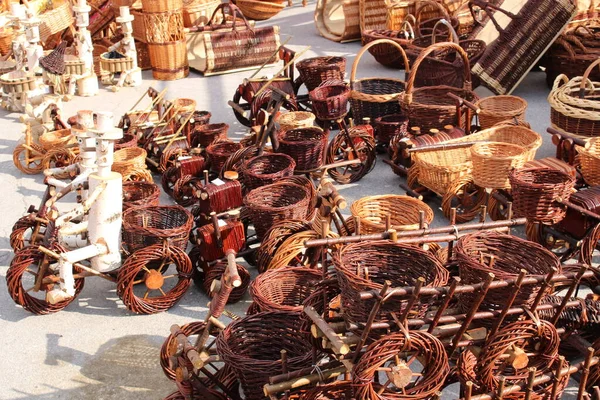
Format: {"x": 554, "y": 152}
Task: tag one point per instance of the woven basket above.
{"x": 284, "y": 289}
{"x": 158, "y": 6}
{"x": 330, "y": 100}
{"x": 169, "y": 60}
{"x": 273, "y": 239}
{"x": 386, "y": 54}
{"x": 535, "y": 191}
{"x": 114, "y": 65}
{"x": 493, "y": 162}
{"x": 127, "y": 140}
{"x": 259, "y": 10}
{"x": 438, "y": 170}
{"x": 205, "y": 135}
{"x": 199, "y": 13}
{"x": 569, "y": 56}
{"x": 59, "y": 138}
{"x": 375, "y": 97}
{"x": 252, "y": 346}
{"x": 338, "y": 20}
{"x": 219, "y": 151}
{"x": 306, "y": 146}
{"x": 373, "y": 14}
{"x": 215, "y": 272}
{"x": 404, "y": 212}
{"x": 129, "y": 158}
{"x": 316, "y": 70}
{"x": 276, "y": 202}
{"x": 139, "y": 194}
{"x": 266, "y": 169}
{"x": 59, "y": 18}
{"x": 391, "y": 126}
{"x": 511, "y": 254}
{"x": 6, "y": 37}
{"x": 295, "y": 119}
{"x": 430, "y": 107}
{"x": 589, "y": 159}
{"x": 164, "y": 27}
{"x": 574, "y": 105}
{"x": 496, "y": 109}
{"x": 148, "y": 225}
{"x": 397, "y": 12}
{"x": 366, "y": 266}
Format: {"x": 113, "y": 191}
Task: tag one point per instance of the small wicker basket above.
{"x": 330, "y": 100}
{"x": 316, "y": 70}
{"x": 589, "y": 159}
{"x": 305, "y": 145}
{"x": 403, "y": 211}
{"x": 496, "y": 109}
{"x": 492, "y": 163}
{"x": 295, "y": 120}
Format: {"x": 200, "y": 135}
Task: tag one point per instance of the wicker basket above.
{"x": 391, "y": 126}
{"x": 338, "y": 20}
{"x": 169, "y": 60}
{"x": 277, "y": 202}
{"x": 139, "y": 194}
{"x": 511, "y": 255}
{"x": 164, "y": 27}
{"x": 295, "y": 119}
{"x": 148, "y": 225}
{"x": 569, "y": 56}
{"x": 59, "y": 18}
{"x": 215, "y": 272}
{"x": 366, "y": 266}
{"x": 6, "y": 37}
{"x": 589, "y": 159}
{"x": 574, "y": 105}
{"x": 316, "y": 70}
{"x": 266, "y": 169}
{"x": 259, "y": 10}
{"x": 158, "y": 6}
{"x": 59, "y": 138}
{"x": 219, "y": 151}
{"x": 205, "y": 135}
{"x": 386, "y": 54}
{"x": 305, "y": 145}
{"x": 430, "y": 107}
{"x": 438, "y": 170}
{"x": 493, "y": 162}
{"x": 197, "y": 14}
{"x": 284, "y": 289}
{"x": 330, "y": 100}
{"x": 273, "y": 239}
{"x": 373, "y": 14}
{"x": 115, "y": 65}
{"x": 496, "y": 109}
{"x": 129, "y": 158}
{"x": 252, "y": 346}
{"x": 404, "y": 212}
{"x": 127, "y": 140}
{"x": 535, "y": 191}
{"x": 397, "y": 12}
{"x": 375, "y": 97}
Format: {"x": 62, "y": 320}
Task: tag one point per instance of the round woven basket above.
{"x": 535, "y": 191}
{"x": 316, "y": 70}
{"x": 511, "y": 254}
{"x": 148, "y": 225}
{"x": 366, "y": 266}
{"x": 284, "y": 289}
{"x": 496, "y": 109}
{"x": 128, "y": 140}
{"x": 305, "y": 145}
{"x": 219, "y": 151}
{"x": 295, "y": 120}
{"x": 59, "y": 138}
{"x": 330, "y": 100}
{"x": 387, "y": 54}
{"x": 169, "y": 60}
{"x": 138, "y": 194}
{"x": 492, "y": 163}
{"x": 404, "y": 212}
{"x": 266, "y": 169}
{"x": 390, "y": 126}
{"x": 216, "y": 272}
{"x": 205, "y": 135}
{"x": 124, "y": 160}
{"x": 277, "y": 202}
{"x": 252, "y": 346}
{"x": 589, "y": 159}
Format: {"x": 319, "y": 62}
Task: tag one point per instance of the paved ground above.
{"x": 96, "y": 348}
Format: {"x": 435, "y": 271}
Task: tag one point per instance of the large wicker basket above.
{"x": 338, "y": 20}
{"x": 403, "y": 211}
{"x": 305, "y": 145}
{"x": 219, "y": 151}
{"x": 55, "y": 20}
{"x": 169, "y": 60}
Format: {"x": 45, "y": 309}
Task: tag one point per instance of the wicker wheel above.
{"x": 340, "y": 150}
{"x": 22, "y": 231}
{"x": 466, "y": 197}
{"x": 158, "y": 295}
{"x": 394, "y": 355}
{"x": 496, "y": 209}
{"x": 59, "y": 158}
{"x": 273, "y": 239}
{"x": 184, "y": 188}
{"x": 34, "y": 166}
{"x": 24, "y": 270}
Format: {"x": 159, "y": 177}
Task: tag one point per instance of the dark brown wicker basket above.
{"x": 276, "y": 202}
{"x": 284, "y": 289}
{"x": 137, "y": 194}
{"x": 535, "y": 191}
{"x": 511, "y": 254}
{"x": 205, "y": 135}
{"x": 390, "y": 126}
{"x": 266, "y": 169}
{"x": 128, "y": 140}
{"x": 305, "y": 145}
{"x": 218, "y": 152}
{"x": 148, "y": 225}
{"x": 367, "y": 265}
{"x": 252, "y": 347}
{"x": 330, "y": 100}
{"x": 386, "y": 54}
{"x": 316, "y": 70}
{"x": 216, "y": 272}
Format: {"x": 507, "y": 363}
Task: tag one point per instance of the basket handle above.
{"x": 436, "y": 47}
{"x": 559, "y": 81}
{"x": 422, "y": 6}
{"x": 407, "y": 27}
{"x": 367, "y": 47}
{"x": 453, "y": 36}
{"x": 234, "y": 11}
{"x": 488, "y": 7}
{"x": 585, "y": 78}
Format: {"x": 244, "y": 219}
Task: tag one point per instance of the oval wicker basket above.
{"x": 129, "y": 158}
{"x": 316, "y": 70}
{"x": 589, "y": 159}
{"x": 266, "y": 169}
{"x": 496, "y": 109}
{"x": 387, "y": 54}
{"x": 438, "y": 170}
{"x": 366, "y": 266}
{"x": 148, "y": 225}
{"x": 391, "y": 126}
{"x": 404, "y": 212}
{"x": 295, "y": 119}
{"x": 205, "y": 135}
{"x": 137, "y": 194}
{"x": 535, "y": 191}
{"x": 59, "y": 138}
{"x": 493, "y": 162}
{"x": 305, "y": 145}
{"x": 259, "y": 10}
{"x": 330, "y": 100}
{"x": 284, "y": 289}
{"x": 219, "y": 151}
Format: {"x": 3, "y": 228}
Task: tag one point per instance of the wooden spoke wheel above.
{"x": 496, "y": 210}
{"x": 535, "y": 232}
{"x": 340, "y": 149}
{"x": 466, "y": 197}
{"x": 31, "y": 275}
{"x": 26, "y": 232}
{"x": 59, "y": 158}
{"x": 145, "y": 290}
{"x": 28, "y": 161}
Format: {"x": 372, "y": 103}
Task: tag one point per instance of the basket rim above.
{"x": 262, "y": 206}
{"x": 518, "y": 173}
{"x": 516, "y": 150}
